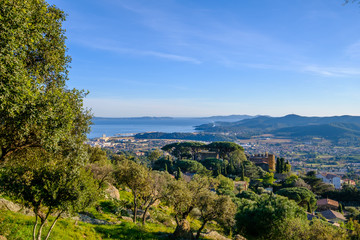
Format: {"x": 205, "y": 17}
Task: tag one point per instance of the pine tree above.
{"x": 178, "y": 174}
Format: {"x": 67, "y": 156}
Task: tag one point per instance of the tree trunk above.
{"x": 200, "y": 229}
{"x": 135, "y": 209}
{"x": 183, "y": 231}
{"x": 35, "y": 225}
{"x": 52, "y": 226}
{"x": 144, "y": 214}
{"x": 43, "y": 221}
{"x": 40, "y": 230}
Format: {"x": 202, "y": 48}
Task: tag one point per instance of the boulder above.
{"x": 85, "y": 218}
{"x": 239, "y": 237}
{"x": 15, "y": 207}
{"x": 112, "y": 192}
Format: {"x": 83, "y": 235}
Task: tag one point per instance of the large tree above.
{"x": 224, "y": 148}
{"x": 184, "y": 198}
{"x": 37, "y": 110}
{"x": 264, "y": 216}
{"x": 215, "y": 207}
{"x": 49, "y": 184}
{"x": 302, "y": 196}
{"x": 136, "y": 177}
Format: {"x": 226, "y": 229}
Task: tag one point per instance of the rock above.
{"x": 139, "y": 212}
{"x": 112, "y": 192}
{"x": 3, "y": 237}
{"x": 239, "y": 237}
{"x": 87, "y": 219}
{"x": 15, "y": 207}
{"x": 127, "y": 218}
{"x": 8, "y": 205}
{"x": 214, "y": 235}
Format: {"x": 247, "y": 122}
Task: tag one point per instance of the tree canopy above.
{"x": 302, "y": 196}
{"x": 36, "y": 108}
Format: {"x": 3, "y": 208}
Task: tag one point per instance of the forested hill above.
{"x": 332, "y": 128}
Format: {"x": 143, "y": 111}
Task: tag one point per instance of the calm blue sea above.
{"x": 113, "y": 126}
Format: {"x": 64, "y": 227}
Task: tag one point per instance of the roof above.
{"x": 327, "y": 175}
{"x": 330, "y": 214}
{"x": 331, "y": 176}
{"x": 326, "y": 201}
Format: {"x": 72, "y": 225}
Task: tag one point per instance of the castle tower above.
{"x": 271, "y": 162}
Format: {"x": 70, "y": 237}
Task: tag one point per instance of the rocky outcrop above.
{"x": 214, "y": 235}
{"x": 217, "y": 236}
{"x": 112, "y": 192}
{"x": 239, "y": 237}
{"x": 87, "y": 219}
{"x": 15, "y": 207}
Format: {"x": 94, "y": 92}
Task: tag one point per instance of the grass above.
{"x": 16, "y": 226}
{"x": 131, "y": 231}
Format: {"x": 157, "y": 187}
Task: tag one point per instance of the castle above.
{"x": 265, "y": 161}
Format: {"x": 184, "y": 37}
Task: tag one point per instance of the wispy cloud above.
{"x": 111, "y": 48}
{"x": 332, "y": 71}
{"x": 206, "y": 36}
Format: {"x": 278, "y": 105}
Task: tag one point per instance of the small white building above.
{"x": 330, "y": 179}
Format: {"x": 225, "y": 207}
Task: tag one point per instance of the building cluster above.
{"x": 335, "y": 180}
{"x": 266, "y": 161}
{"x": 329, "y": 209}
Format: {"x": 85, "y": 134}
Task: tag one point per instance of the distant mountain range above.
{"x": 230, "y": 118}
{"x": 294, "y": 126}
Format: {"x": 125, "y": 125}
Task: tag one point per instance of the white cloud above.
{"x": 332, "y": 71}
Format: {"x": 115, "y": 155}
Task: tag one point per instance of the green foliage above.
{"x": 268, "y": 179}
{"x": 346, "y": 194}
{"x": 134, "y": 176}
{"x": 317, "y": 185}
{"x": 265, "y": 216}
{"x": 155, "y": 155}
{"x": 48, "y": 185}
{"x": 302, "y": 196}
{"x": 224, "y": 148}
{"x": 162, "y": 164}
{"x": 282, "y": 166}
{"x": 251, "y": 170}
{"x": 225, "y": 186}
{"x": 250, "y": 195}
{"x": 215, "y": 207}
{"x": 17, "y": 226}
{"x": 130, "y": 231}
{"x": 36, "y": 108}
{"x": 190, "y": 166}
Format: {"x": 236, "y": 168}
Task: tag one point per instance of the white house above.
{"x": 331, "y": 179}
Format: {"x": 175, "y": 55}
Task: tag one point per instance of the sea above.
{"x": 123, "y": 126}
{"x": 126, "y": 126}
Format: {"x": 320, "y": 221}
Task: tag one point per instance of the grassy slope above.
{"x": 18, "y": 226}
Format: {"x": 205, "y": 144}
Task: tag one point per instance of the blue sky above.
{"x": 211, "y": 57}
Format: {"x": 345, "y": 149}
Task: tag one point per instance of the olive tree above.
{"x": 215, "y": 207}
{"x": 184, "y": 197}
{"x": 134, "y": 176}
{"x": 49, "y": 185}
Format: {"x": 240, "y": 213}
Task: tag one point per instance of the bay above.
{"x": 114, "y": 126}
